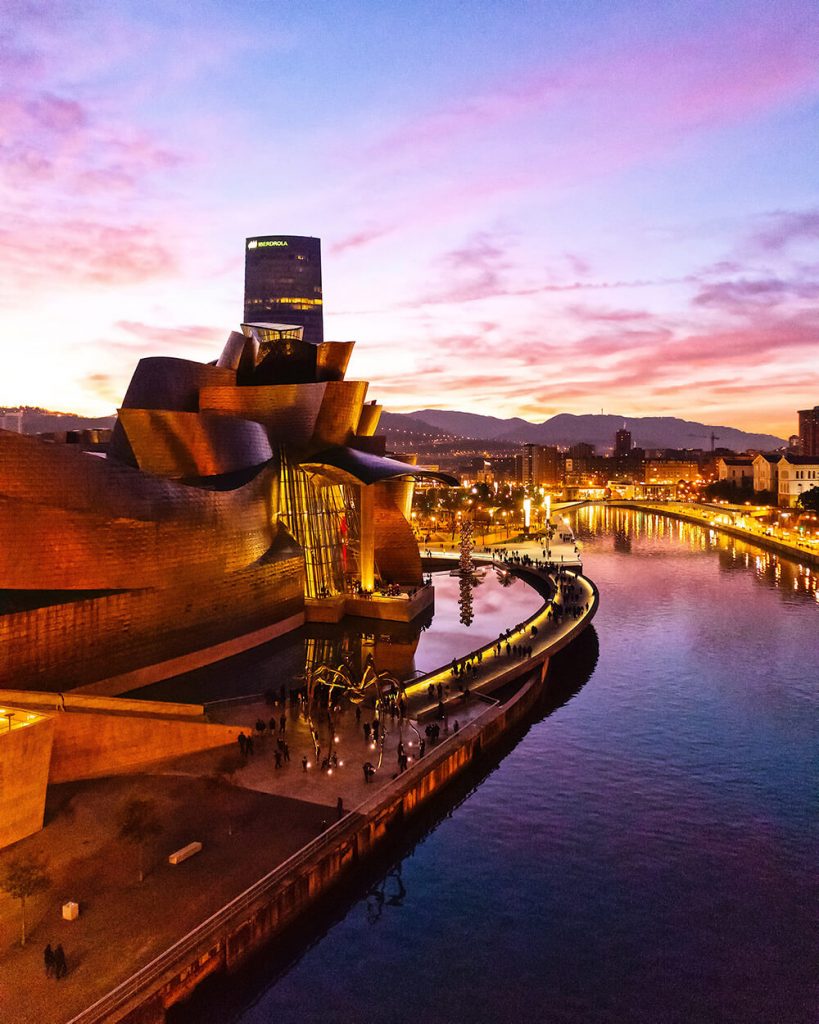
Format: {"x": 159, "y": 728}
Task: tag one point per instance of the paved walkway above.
{"x": 251, "y": 816}
{"x": 341, "y": 731}
{"x": 123, "y": 923}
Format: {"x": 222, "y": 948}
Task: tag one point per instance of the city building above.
{"x": 11, "y": 419}
{"x": 737, "y": 469}
{"x": 283, "y": 283}
{"x": 670, "y": 471}
{"x": 538, "y": 466}
{"x": 622, "y": 442}
{"x": 797, "y": 473}
{"x": 766, "y": 472}
{"x": 809, "y": 431}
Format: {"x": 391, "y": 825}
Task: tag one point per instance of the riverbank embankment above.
{"x": 708, "y": 518}
{"x": 279, "y": 899}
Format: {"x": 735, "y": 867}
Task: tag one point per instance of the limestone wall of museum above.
{"x": 25, "y": 755}
{"x": 89, "y": 745}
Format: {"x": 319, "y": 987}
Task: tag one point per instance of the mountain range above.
{"x": 42, "y": 421}
{"x": 566, "y": 429}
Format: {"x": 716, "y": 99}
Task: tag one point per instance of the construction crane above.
{"x": 712, "y": 435}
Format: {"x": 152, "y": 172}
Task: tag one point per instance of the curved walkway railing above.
{"x": 213, "y": 929}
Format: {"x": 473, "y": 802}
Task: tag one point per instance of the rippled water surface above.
{"x": 647, "y": 852}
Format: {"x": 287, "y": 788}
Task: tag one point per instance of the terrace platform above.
{"x": 405, "y": 607}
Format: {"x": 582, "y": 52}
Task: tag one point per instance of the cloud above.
{"x": 104, "y": 386}
{"x": 361, "y": 238}
{"x": 782, "y": 228}
{"x": 645, "y": 91}
{"x": 745, "y": 296}
{"x": 173, "y": 339}
{"x": 68, "y": 252}
{"x": 617, "y": 316}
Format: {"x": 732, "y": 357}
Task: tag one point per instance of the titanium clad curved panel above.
{"x": 232, "y": 352}
{"x": 349, "y": 465}
{"x": 332, "y": 359}
{"x": 396, "y": 549}
{"x": 401, "y": 492}
{"x": 119, "y": 447}
{"x": 197, "y": 536}
{"x": 163, "y": 382}
{"x": 288, "y": 412}
{"x": 62, "y": 476}
{"x": 62, "y": 646}
{"x": 186, "y": 444}
{"x": 369, "y": 419}
{"x": 84, "y": 551}
{"x": 340, "y": 412}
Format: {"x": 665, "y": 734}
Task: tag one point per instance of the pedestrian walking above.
{"x": 339, "y": 809}
{"x": 48, "y": 960}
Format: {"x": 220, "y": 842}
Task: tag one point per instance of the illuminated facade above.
{"x": 283, "y": 283}
{"x": 796, "y": 474}
{"x": 234, "y": 494}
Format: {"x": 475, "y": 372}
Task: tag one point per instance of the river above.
{"x": 646, "y": 853}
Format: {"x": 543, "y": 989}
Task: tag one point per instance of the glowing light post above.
{"x": 527, "y": 515}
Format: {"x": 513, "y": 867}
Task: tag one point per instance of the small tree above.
{"x": 809, "y": 500}
{"x": 21, "y": 877}
{"x": 138, "y": 823}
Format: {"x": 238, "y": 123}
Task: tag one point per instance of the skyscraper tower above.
{"x": 283, "y": 283}
{"x": 809, "y": 431}
{"x": 622, "y": 442}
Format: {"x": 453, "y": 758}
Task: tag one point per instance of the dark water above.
{"x": 497, "y": 602}
{"x": 646, "y": 853}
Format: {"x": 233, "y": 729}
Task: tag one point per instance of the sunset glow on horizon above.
{"x": 525, "y": 209}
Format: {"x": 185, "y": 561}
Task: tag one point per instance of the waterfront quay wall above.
{"x": 260, "y": 914}
{"x": 790, "y": 551}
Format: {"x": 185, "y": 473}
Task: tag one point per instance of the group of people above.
{"x": 54, "y": 959}
{"x": 282, "y": 752}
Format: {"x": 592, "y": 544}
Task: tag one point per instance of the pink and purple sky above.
{"x": 525, "y": 208}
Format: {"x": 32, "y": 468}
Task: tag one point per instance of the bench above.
{"x": 184, "y": 853}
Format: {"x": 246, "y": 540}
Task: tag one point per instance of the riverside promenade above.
{"x": 273, "y": 841}
{"x": 732, "y": 520}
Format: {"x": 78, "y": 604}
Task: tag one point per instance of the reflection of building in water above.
{"x": 391, "y": 645}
